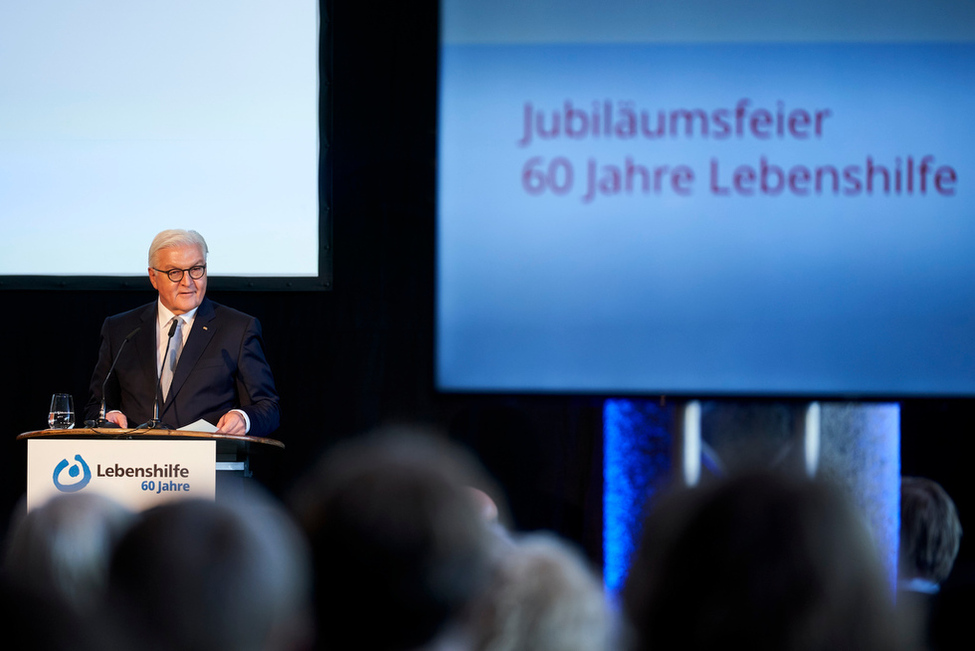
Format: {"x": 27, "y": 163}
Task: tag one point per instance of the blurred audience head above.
{"x": 61, "y": 549}
{"x": 542, "y": 596}
{"x": 400, "y": 542}
{"x": 930, "y": 531}
{"x": 760, "y": 561}
{"x": 44, "y": 622}
{"x": 201, "y": 575}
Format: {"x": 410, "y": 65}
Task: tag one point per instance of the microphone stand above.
{"x": 103, "y": 422}
{"x": 154, "y": 422}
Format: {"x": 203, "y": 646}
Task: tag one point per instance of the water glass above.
{"x": 61, "y": 415}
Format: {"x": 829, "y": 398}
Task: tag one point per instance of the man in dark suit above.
{"x": 208, "y": 358}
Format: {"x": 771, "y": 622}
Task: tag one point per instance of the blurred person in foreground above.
{"x": 61, "y": 550}
{"x": 930, "y": 537}
{"x": 542, "y": 596}
{"x": 401, "y": 544}
{"x": 199, "y": 575}
{"x": 44, "y": 622}
{"x": 761, "y": 562}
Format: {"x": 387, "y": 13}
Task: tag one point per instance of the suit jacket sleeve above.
{"x": 104, "y": 362}
{"x": 255, "y": 383}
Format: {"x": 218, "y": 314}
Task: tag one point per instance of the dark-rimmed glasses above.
{"x": 176, "y": 275}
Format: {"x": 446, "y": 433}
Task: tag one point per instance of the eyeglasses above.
{"x": 176, "y": 275}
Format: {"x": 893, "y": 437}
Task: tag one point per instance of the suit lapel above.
{"x": 196, "y": 343}
{"x": 145, "y": 346}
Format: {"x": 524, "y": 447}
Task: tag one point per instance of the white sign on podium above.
{"x": 137, "y": 474}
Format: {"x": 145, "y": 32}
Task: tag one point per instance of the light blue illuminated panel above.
{"x": 636, "y": 462}
{"x": 858, "y": 448}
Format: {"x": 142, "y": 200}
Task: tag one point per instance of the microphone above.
{"x": 102, "y": 421}
{"x": 154, "y": 422}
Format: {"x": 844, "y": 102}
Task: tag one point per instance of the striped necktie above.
{"x": 169, "y": 364}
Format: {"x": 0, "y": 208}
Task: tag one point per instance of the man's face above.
{"x": 187, "y": 294}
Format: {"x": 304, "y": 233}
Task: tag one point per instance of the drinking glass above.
{"x": 61, "y": 415}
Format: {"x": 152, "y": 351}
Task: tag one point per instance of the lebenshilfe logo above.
{"x": 74, "y": 484}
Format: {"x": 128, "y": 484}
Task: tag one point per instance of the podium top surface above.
{"x": 118, "y": 433}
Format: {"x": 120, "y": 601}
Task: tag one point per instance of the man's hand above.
{"x": 232, "y": 423}
{"x": 118, "y": 418}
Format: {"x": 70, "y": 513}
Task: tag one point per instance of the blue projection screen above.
{"x": 755, "y": 198}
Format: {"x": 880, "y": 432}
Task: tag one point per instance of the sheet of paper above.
{"x": 199, "y": 426}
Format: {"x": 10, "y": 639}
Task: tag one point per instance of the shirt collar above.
{"x": 165, "y": 316}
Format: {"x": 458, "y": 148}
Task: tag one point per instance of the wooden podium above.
{"x": 221, "y": 463}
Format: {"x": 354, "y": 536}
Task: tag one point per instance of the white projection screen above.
{"x": 119, "y": 119}
{"x": 755, "y": 198}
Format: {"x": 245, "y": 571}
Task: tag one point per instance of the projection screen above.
{"x": 707, "y": 198}
{"x": 119, "y": 119}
